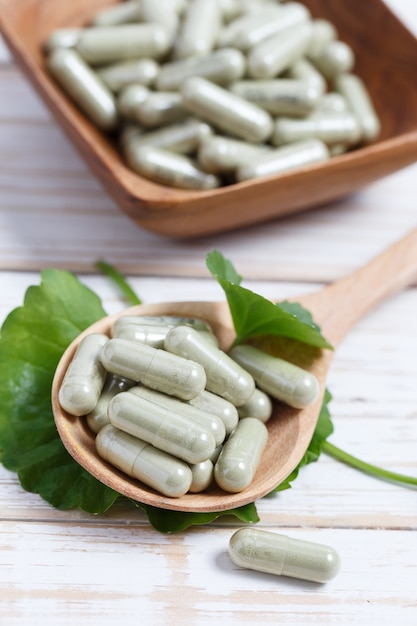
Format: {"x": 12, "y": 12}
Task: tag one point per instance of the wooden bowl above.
{"x": 386, "y": 55}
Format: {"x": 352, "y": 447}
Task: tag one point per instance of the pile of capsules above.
{"x": 173, "y": 410}
{"x": 204, "y": 93}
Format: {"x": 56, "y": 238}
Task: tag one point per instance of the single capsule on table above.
{"x": 220, "y": 67}
{"x": 121, "y": 13}
{"x": 285, "y": 159}
{"x": 277, "y": 554}
{"x": 223, "y": 154}
{"x": 258, "y": 406}
{"x": 154, "y": 368}
{"x": 110, "y": 44}
{"x": 302, "y": 69}
{"x": 353, "y": 90}
{"x": 84, "y": 379}
{"x": 276, "y": 54}
{"x": 119, "y": 75}
{"x": 85, "y": 88}
{"x": 184, "y": 137}
{"x": 216, "y": 405}
{"x": 335, "y": 58}
{"x": 202, "y": 474}
{"x": 168, "y": 168}
{"x": 161, "y": 427}
{"x": 239, "y": 459}
{"x": 329, "y": 127}
{"x": 223, "y": 109}
{"x": 224, "y": 376}
{"x": 211, "y": 422}
{"x": 97, "y": 418}
{"x": 62, "y": 38}
{"x": 280, "y": 379}
{"x": 280, "y": 96}
{"x": 199, "y": 30}
{"x": 140, "y": 460}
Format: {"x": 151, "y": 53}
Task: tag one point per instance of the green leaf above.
{"x": 120, "y": 281}
{"x": 255, "y": 316}
{"x": 222, "y": 268}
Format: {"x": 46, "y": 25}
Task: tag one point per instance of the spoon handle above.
{"x": 340, "y": 305}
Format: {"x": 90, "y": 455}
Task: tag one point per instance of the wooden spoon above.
{"x": 335, "y": 308}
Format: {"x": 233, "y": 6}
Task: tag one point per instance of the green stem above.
{"x": 119, "y": 281}
{"x": 373, "y": 470}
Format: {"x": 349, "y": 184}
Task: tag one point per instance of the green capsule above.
{"x": 97, "y": 418}
{"x": 117, "y": 76}
{"x": 272, "y": 553}
{"x": 163, "y": 428}
{"x": 158, "y": 320}
{"x": 159, "y": 109}
{"x": 120, "y": 13}
{"x": 329, "y": 127}
{"x": 353, "y": 90}
{"x": 258, "y": 406}
{"x": 280, "y": 96}
{"x": 183, "y": 137}
{"x": 215, "y": 405}
{"x": 199, "y": 29}
{"x": 140, "y": 460}
{"x": 302, "y": 69}
{"x": 162, "y": 12}
{"x": 223, "y": 154}
{"x": 241, "y": 454}
{"x": 202, "y": 474}
{"x": 280, "y": 379}
{"x": 322, "y": 32}
{"x": 335, "y": 58}
{"x": 62, "y": 38}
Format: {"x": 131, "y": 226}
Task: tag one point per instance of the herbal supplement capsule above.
{"x": 184, "y": 137}
{"x": 97, "y": 418}
{"x": 332, "y": 102}
{"x": 331, "y": 128}
{"x": 258, "y": 406}
{"x": 323, "y": 31}
{"x": 352, "y": 88}
{"x": 150, "y": 335}
{"x": 154, "y": 368}
{"x": 138, "y": 459}
{"x": 212, "y": 423}
{"x": 276, "y": 54}
{"x": 272, "y": 553}
{"x": 223, "y": 155}
{"x": 62, "y": 38}
{"x": 227, "y": 111}
{"x": 129, "y": 100}
{"x": 284, "y": 159}
{"x": 215, "y": 405}
{"x": 202, "y": 474}
{"x": 121, "y": 13}
{"x": 159, "y": 320}
{"x": 84, "y": 87}
{"x": 335, "y": 58}
{"x": 84, "y": 378}
{"x": 224, "y": 376}
{"x": 198, "y": 32}
{"x": 220, "y": 67}
{"x": 163, "y": 428}
{"x": 119, "y": 75}
{"x": 162, "y": 12}
{"x": 160, "y": 108}
{"x": 238, "y": 461}
{"x": 168, "y": 168}
{"x": 304, "y": 70}
{"x": 282, "y": 380}
{"x": 109, "y": 44}
{"x": 279, "y": 96}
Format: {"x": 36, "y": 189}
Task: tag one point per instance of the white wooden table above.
{"x": 72, "y": 568}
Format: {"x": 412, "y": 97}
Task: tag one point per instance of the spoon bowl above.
{"x": 390, "y": 78}
{"x": 335, "y": 308}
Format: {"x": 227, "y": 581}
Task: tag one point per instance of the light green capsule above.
{"x": 158, "y": 320}
{"x": 212, "y": 423}
{"x": 285, "y": 159}
{"x": 168, "y": 168}
{"x": 150, "y": 335}
{"x": 159, "y": 109}
{"x": 241, "y": 454}
{"x": 97, "y": 418}
{"x": 280, "y": 96}
{"x": 258, "y": 406}
{"x": 138, "y": 459}
{"x": 272, "y": 553}
{"x": 199, "y": 29}
{"x": 332, "y": 102}
{"x": 202, "y": 474}
{"x": 110, "y": 44}
{"x": 120, "y": 75}
{"x": 220, "y": 67}
{"x": 280, "y": 379}
{"x": 120, "y": 13}
{"x": 276, "y": 54}
{"x": 85, "y": 88}
{"x": 323, "y": 31}
{"x": 130, "y": 99}
{"x": 154, "y": 368}
{"x": 224, "y": 377}
{"x": 223, "y": 154}
{"x": 62, "y": 38}
{"x": 225, "y": 110}
{"x": 85, "y": 377}
{"x": 303, "y": 69}
{"x": 184, "y": 137}
{"x": 335, "y": 58}
{"x": 353, "y": 90}
{"x": 161, "y": 427}
{"x": 331, "y": 128}
{"x": 215, "y": 405}
{"x": 163, "y": 12}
